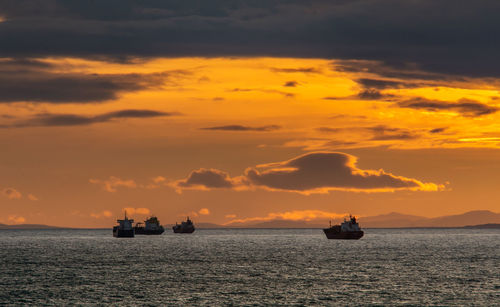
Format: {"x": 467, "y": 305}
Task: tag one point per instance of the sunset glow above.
{"x": 88, "y": 133}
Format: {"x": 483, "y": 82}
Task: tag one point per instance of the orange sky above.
{"x": 247, "y": 139}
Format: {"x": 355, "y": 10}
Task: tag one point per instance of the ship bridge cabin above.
{"x": 351, "y": 225}
{"x": 125, "y": 224}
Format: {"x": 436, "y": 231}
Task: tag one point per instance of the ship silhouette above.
{"x": 124, "y": 228}
{"x": 348, "y": 230}
{"x": 151, "y": 226}
{"x": 184, "y": 227}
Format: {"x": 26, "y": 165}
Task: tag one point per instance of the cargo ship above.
{"x": 151, "y": 226}
{"x": 184, "y": 227}
{"x": 124, "y": 228}
{"x": 348, "y": 230}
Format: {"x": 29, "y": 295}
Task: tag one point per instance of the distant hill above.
{"x": 285, "y": 224}
{"x": 479, "y": 219}
{"x": 27, "y": 226}
{"x": 390, "y": 220}
{"x": 484, "y": 226}
{"x": 205, "y": 226}
{"x": 468, "y": 218}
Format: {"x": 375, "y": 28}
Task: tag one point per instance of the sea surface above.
{"x": 299, "y": 267}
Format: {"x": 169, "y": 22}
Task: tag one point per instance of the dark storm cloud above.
{"x": 54, "y": 120}
{"x": 244, "y": 128}
{"x": 465, "y": 107}
{"x": 442, "y": 36}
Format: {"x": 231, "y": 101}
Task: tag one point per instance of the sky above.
{"x": 247, "y": 111}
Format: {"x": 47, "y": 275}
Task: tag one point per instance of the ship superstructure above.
{"x": 184, "y": 227}
{"x": 348, "y": 230}
{"x": 151, "y": 226}
{"x": 124, "y": 228}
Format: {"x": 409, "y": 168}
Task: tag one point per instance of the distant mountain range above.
{"x": 471, "y": 219}
{"x": 390, "y": 220}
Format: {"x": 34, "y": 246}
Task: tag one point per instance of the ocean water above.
{"x": 298, "y": 267}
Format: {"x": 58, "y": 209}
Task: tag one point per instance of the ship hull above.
{"x": 343, "y": 235}
{"x": 185, "y": 230}
{"x": 143, "y": 231}
{"x": 121, "y": 233}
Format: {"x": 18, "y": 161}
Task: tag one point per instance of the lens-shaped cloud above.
{"x": 318, "y": 172}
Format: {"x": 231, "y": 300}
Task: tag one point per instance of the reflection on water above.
{"x": 251, "y": 267}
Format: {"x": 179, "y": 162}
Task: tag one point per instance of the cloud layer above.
{"x": 440, "y": 36}
{"x": 37, "y": 80}
{"x": 318, "y": 172}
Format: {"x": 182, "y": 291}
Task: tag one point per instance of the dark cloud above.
{"x": 370, "y": 94}
{"x": 385, "y": 133}
{"x": 465, "y": 107}
{"x": 263, "y": 90}
{"x": 308, "y": 70}
{"x": 401, "y": 71}
{"x": 379, "y": 132}
{"x": 438, "y": 130}
{"x": 291, "y": 84}
{"x": 325, "y": 171}
{"x": 328, "y": 129}
{"x": 317, "y": 172}
{"x": 340, "y": 144}
{"x": 366, "y": 94}
{"x": 446, "y": 36}
{"x": 348, "y": 116}
{"x": 33, "y": 81}
{"x": 384, "y": 84}
{"x": 54, "y": 120}
{"x": 244, "y": 128}
{"x": 207, "y": 178}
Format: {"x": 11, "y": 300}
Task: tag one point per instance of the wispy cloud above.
{"x": 244, "y": 128}
{"x": 131, "y": 211}
{"x": 58, "y": 120}
{"x": 102, "y": 214}
{"x": 11, "y": 193}
{"x": 16, "y": 219}
{"x": 112, "y": 183}
{"x": 32, "y": 197}
{"x": 306, "y": 70}
{"x": 465, "y": 107}
{"x": 204, "y": 211}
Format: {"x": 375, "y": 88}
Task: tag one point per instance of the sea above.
{"x": 250, "y": 267}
